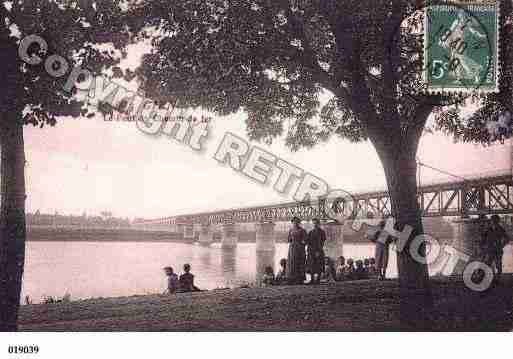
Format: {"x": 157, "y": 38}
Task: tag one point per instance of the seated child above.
{"x": 373, "y": 272}
{"x": 328, "y": 274}
{"x": 172, "y": 280}
{"x": 268, "y": 277}
{"x": 350, "y": 269}
{"x": 360, "y": 272}
{"x": 281, "y": 276}
{"x": 341, "y": 269}
{"x": 187, "y": 280}
{"x": 366, "y": 264}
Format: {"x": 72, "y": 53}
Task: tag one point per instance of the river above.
{"x": 108, "y": 269}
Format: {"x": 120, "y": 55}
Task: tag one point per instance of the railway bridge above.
{"x": 462, "y": 197}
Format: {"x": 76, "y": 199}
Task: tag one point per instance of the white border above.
{"x": 258, "y": 345}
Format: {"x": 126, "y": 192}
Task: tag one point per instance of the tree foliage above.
{"x": 309, "y": 69}
{"x": 72, "y": 29}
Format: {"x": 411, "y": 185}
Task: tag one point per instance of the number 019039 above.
{"x": 23, "y": 349}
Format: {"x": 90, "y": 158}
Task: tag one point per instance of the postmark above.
{"x": 461, "y": 47}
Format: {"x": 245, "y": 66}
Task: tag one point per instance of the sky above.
{"x": 91, "y": 165}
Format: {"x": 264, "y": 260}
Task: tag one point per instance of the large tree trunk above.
{"x": 415, "y": 295}
{"x": 12, "y": 219}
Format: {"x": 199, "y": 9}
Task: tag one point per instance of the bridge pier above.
{"x": 334, "y": 246}
{"x": 180, "y": 229}
{"x": 229, "y": 264}
{"x": 229, "y": 235}
{"x": 265, "y": 247}
{"x": 206, "y": 235}
{"x": 196, "y": 231}
{"x": 265, "y": 236}
{"x": 188, "y": 232}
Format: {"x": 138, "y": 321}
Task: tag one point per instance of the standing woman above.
{"x": 315, "y": 258}
{"x": 382, "y": 243}
{"x": 297, "y": 255}
{"x": 497, "y": 238}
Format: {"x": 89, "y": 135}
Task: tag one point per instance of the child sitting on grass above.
{"x": 350, "y": 269}
{"x": 366, "y": 264}
{"x": 341, "y": 271}
{"x": 268, "y": 277}
{"x": 172, "y": 280}
{"x": 187, "y": 280}
{"x": 373, "y": 272}
{"x": 328, "y": 274}
{"x": 360, "y": 272}
{"x": 281, "y": 276}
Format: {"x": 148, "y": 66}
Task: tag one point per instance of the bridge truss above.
{"x": 490, "y": 195}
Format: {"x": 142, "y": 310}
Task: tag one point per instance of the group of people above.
{"x": 182, "y": 284}
{"x": 345, "y": 270}
{"x": 306, "y": 255}
{"x": 356, "y": 269}
{"x": 306, "y": 252}
{"x": 493, "y": 240}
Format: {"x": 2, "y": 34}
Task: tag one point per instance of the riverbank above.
{"x": 367, "y": 305}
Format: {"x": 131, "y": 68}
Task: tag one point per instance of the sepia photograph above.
{"x": 254, "y": 166}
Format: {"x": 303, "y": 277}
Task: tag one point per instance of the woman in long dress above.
{"x": 315, "y": 253}
{"x": 297, "y": 256}
{"x": 381, "y": 250}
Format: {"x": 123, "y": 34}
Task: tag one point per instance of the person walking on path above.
{"x": 315, "y": 251}
{"x": 496, "y": 238}
{"x": 296, "y": 257}
{"x": 381, "y": 250}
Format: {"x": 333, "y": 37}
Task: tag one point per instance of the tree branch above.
{"x": 392, "y": 61}
{"x": 308, "y": 57}
{"x": 416, "y": 126}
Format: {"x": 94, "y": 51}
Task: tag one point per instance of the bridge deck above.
{"x": 490, "y": 195}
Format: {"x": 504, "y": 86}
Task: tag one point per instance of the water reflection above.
{"x": 228, "y": 265}
{"x": 204, "y": 254}
{"x": 57, "y": 268}
{"x": 264, "y": 259}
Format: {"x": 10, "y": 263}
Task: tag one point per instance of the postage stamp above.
{"x": 461, "y": 46}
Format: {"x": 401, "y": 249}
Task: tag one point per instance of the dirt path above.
{"x": 349, "y": 306}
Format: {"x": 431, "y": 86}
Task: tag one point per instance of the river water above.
{"x": 108, "y": 269}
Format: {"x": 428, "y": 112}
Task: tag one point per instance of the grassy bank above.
{"x": 348, "y": 306}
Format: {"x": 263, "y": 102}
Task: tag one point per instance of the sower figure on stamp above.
{"x": 496, "y": 238}
{"x": 463, "y": 27}
{"x": 315, "y": 252}
{"x": 296, "y": 258}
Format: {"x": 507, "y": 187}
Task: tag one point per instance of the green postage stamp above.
{"x": 461, "y": 46}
